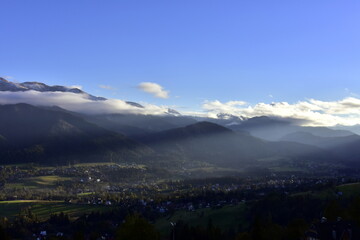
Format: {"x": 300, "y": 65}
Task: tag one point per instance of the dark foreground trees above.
{"x": 136, "y": 228}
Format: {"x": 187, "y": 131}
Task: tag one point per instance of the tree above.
{"x": 3, "y": 234}
{"x": 136, "y": 228}
{"x": 243, "y": 236}
{"x": 333, "y": 210}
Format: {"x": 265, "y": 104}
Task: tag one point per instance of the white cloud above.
{"x": 236, "y": 103}
{"x": 78, "y": 103}
{"x": 76, "y": 86}
{"x": 348, "y": 105}
{"x": 154, "y": 89}
{"x": 107, "y": 87}
{"x": 311, "y": 112}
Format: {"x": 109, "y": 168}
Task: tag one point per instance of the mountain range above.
{"x": 52, "y": 135}
{"x": 221, "y": 146}
{"x": 33, "y": 134}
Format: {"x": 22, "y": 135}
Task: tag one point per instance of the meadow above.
{"x": 43, "y": 209}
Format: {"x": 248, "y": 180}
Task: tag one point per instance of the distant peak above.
{"x": 227, "y": 116}
{"x": 134, "y": 104}
{"x": 172, "y": 112}
{"x": 265, "y": 120}
{"x": 6, "y": 85}
{"x": 209, "y": 126}
{"x": 39, "y": 83}
{"x": 4, "y": 80}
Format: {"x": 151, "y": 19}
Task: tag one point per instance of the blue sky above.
{"x": 253, "y": 51}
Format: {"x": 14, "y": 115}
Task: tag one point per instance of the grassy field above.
{"x": 228, "y": 217}
{"x": 96, "y": 164}
{"x": 286, "y": 169}
{"x": 349, "y": 190}
{"x": 38, "y": 182}
{"x": 43, "y": 209}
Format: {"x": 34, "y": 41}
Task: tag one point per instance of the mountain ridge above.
{"x": 218, "y": 145}
{"x": 35, "y": 134}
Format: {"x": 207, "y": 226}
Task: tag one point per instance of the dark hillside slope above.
{"x": 275, "y": 129}
{"x": 323, "y": 142}
{"x": 346, "y": 148}
{"x": 137, "y": 124}
{"x": 215, "y": 144}
{"x": 35, "y": 134}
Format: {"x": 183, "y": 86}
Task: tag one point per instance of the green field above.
{"x": 43, "y": 209}
{"x": 96, "y": 164}
{"x": 287, "y": 169}
{"x": 228, "y": 217}
{"x": 38, "y": 182}
{"x": 349, "y": 190}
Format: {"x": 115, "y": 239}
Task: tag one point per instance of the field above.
{"x": 43, "y": 209}
{"x": 345, "y": 191}
{"x": 38, "y": 182}
{"x": 226, "y": 218}
{"x": 349, "y": 190}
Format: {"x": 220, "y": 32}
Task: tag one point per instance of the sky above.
{"x": 195, "y": 56}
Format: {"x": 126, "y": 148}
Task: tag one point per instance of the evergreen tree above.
{"x": 136, "y": 228}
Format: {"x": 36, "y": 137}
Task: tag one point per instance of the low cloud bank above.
{"x": 78, "y": 103}
{"x": 311, "y": 112}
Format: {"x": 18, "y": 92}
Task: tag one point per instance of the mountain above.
{"x": 6, "y": 85}
{"x": 323, "y": 142}
{"x": 212, "y": 143}
{"x": 134, "y": 104}
{"x": 206, "y": 142}
{"x": 275, "y": 129}
{"x": 354, "y": 128}
{"x": 226, "y": 116}
{"x": 172, "y": 112}
{"x": 264, "y": 127}
{"x": 9, "y": 86}
{"x": 223, "y": 119}
{"x": 138, "y": 124}
{"x": 346, "y": 148}
{"x": 197, "y": 130}
{"x": 52, "y": 136}
{"x": 349, "y": 152}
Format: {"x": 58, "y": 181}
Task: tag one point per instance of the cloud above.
{"x": 107, "y": 87}
{"x": 76, "y": 86}
{"x": 78, "y": 103}
{"x": 236, "y": 103}
{"x": 311, "y": 112}
{"x": 155, "y": 89}
{"x": 215, "y": 107}
{"x": 350, "y": 105}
